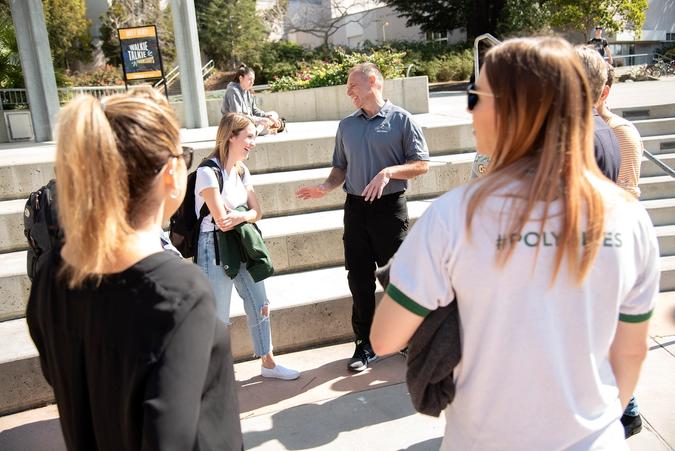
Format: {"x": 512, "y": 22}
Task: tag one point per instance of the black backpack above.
{"x": 184, "y": 225}
{"x": 41, "y": 226}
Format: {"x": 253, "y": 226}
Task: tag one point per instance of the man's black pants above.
{"x": 372, "y": 234}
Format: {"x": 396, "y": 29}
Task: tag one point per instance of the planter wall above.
{"x": 329, "y": 103}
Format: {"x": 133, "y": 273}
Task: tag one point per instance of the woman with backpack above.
{"x": 554, "y": 269}
{"x": 127, "y": 333}
{"x": 230, "y": 205}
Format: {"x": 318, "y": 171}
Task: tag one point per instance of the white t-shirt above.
{"x": 234, "y": 191}
{"x": 535, "y": 371}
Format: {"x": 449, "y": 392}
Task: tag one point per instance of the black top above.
{"x": 599, "y": 44}
{"x": 139, "y": 362}
{"x": 606, "y": 148}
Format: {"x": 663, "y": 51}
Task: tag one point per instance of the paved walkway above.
{"x": 330, "y": 409}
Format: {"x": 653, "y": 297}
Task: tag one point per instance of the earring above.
{"x": 174, "y": 193}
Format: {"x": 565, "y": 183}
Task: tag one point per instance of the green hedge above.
{"x": 335, "y": 73}
{"x": 288, "y": 66}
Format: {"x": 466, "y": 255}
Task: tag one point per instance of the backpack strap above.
{"x": 204, "y": 212}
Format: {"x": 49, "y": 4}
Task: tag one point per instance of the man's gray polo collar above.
{"x": 382, "y": 113}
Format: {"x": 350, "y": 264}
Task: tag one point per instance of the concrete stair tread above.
{"x": 315, "y": 222}
{"x": 322, "y": 173}
{"x": 654, "y": 179}
{"x": 658, "y": 137}
{"x": 11, "y": 207}
{"x": 653, "y": 120}
{"x": 665, "y": 230}
{"x": 12, "y": 264}
{"x": 658, "y": 203}
{"x": 668, "y": 263}
{"x": 318, "y": 286}
{"x": 16, "y": 340}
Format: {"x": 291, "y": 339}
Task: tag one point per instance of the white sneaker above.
{"x": 280, "y": 372}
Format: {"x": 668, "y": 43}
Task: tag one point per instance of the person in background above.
{"x": 378, "y": 148}
{"x": 554, "y": 268}
{"x": 630, "y": 145}
{"x": 630, "y": 141}
{"x": 127, "y": 333}
{"x": 600, "y": 45}
{"x": 239, "y": 99}
{"x": 235, "y": 139}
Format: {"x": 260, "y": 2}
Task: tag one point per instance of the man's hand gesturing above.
{"x": 374, "y": 189}
{"x": 311, "y": 192}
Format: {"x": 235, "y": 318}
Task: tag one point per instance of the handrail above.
{"x": 175, "y": 73}
{"x": 483, "y": 37}
{"x": 667, "y": 169}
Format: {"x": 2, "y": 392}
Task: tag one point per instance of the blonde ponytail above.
{"x": 92, "y": 188}
{"x": 108, "y": 155}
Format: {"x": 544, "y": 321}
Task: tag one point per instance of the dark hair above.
{"x": 242, "y": 72}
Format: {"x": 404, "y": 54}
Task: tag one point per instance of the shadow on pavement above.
{"x": 38, "y": 436}
{"x": 309, "y": 426}
{"x": 256, "y": 393}
{"x": 428, "y": 445}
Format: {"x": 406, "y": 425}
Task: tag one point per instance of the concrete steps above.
{"x": 660, "y": 143}
{"x": 652, "y": 127}
{"x": 310, "y": 299}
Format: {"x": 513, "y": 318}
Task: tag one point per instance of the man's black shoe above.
{"x": 363, "y": 355}
{"x": 631, "y": 425}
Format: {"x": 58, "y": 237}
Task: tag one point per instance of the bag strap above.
{"x": 204, "y": 212}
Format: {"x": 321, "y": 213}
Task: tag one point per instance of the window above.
{"x": 437, "y": 36}
{"x": 670, "y": 36}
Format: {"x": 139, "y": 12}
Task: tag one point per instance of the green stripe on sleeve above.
{"x": 635, "y": 318}
{"x": 405, "y": 302}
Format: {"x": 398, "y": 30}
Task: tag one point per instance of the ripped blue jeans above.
{"x": 252, "y": 293}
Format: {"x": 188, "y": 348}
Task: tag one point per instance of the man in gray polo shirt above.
{"x": 377, "y": 149}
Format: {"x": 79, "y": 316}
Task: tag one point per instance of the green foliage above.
{"x": 68, "y": 30}
{"x": 322, "y": 73}
{"x": 11, "y": 75}
{"x": 103, "y": 76}
{"x": 231, "y": 32}
{"x": 453, "y": 66}
{"x": 281, "y": 58}
{"x": 582, "y": 15}
{"x": 131, "y": 13}
{"x": 505, "y": 17}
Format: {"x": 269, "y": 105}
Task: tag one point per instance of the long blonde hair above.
{"x": 108, "y": 155}
{"x": 231, "y": 124}
{"x": 544, "y": 130}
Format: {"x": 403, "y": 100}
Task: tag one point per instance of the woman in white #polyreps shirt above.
{"x": 554, "y": 268}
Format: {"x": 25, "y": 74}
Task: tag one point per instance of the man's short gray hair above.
{"x": 596, "y": 69}
{"x": 368, "y": 69}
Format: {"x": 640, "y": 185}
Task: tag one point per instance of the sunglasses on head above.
{"x": 472, "y": 96}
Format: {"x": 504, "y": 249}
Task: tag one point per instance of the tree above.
{"x": 582, "y": 15}
{"x": 501, "y": 17}
{"x": 231, "y": 32}
{"x": 476, "y": 17}
{"x": 11, "y": 75}
{"x": 68, "y": 30}
{"x": 132, "y": 13}
{"x": 325, "y": 19}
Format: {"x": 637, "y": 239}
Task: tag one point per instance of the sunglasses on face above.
{"x": 472, "y": 96}
{"x": 188, "y": 154}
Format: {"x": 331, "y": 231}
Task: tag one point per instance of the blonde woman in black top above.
{"x": 127, "y": 333}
